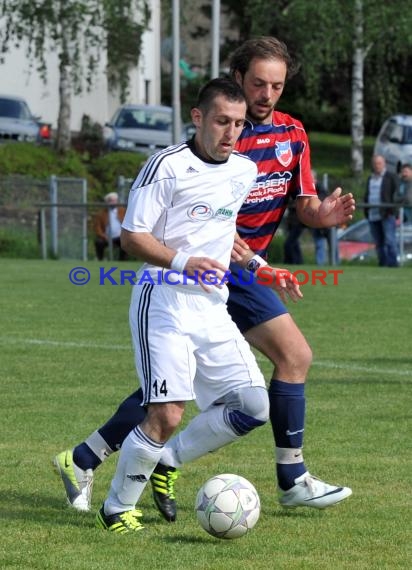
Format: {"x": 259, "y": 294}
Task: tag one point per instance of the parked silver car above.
{"x": 18, "y": 124}
{"x": 355, "y": 243}
{"x": 394, "y": 141}
{"x": 141, "y": 128}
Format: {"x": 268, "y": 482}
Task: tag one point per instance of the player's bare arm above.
{"x": 281, "y": 280}
{"x": 146, "y": 247}
{"x": 334, "y": 210}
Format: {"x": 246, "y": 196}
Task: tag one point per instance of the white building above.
{"x": 16, "y": 78}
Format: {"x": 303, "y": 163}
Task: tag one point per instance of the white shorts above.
{"x": 187, "y": 347}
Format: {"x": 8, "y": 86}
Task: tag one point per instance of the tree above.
{"x": 339, "y": 44}
{"x": 79, "y": 31}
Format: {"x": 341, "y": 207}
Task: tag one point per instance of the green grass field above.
{"x": 66, "y": 363}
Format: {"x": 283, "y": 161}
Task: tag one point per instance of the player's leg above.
{"x": 265, "y": 323}
{"x": 139, "y": 455}
{"x": 166, "y": 365}
{"x": 76, "y": 466}
{"x": 230, "y": 390}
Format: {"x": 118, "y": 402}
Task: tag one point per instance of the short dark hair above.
{"x": 406, "y": 165}
{"x": 262, "y": 47}
{"x": 219, "y": 86}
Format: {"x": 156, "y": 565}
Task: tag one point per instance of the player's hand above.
{"x": 282, "y": 281}
{"x": 240, "y": 248}
{"x": 207, "y": 272}
{"x": 336, "y": 209}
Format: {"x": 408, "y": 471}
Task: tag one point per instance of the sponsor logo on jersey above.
{"x": 284, "y": 152}
{"x": 200, "y": 212}
{"x": 224, "y": 214}
{"x": 263, "y": 141}
{"x": 238, "y": 189}
{"x": 269, "y": 189}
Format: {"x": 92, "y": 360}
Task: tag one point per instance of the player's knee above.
{"x": 163, "y": 419}
{"x": 294, "y": 362}
{"x": 247, "y": 409}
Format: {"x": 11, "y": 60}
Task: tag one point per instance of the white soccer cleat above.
{"x": 310, "y": 491}
{"x": 78, "y": 483}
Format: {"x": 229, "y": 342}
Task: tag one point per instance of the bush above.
{"x": 39, "y": 161}
{"x": 107, "y": 169}
{"x": 16, "y": 243}
{"x": 89, "y": 142}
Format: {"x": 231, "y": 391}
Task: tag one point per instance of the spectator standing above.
{"x": 107, "y": 225}
{"x": 382, "y": 187}
{"x": 405, "y": 191}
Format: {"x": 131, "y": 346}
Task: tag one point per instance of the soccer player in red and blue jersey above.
{"x": 279, "y": 145}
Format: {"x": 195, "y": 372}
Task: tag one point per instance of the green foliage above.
{"x": 78, "y": 31}
{"x": 67, "y": 362}
{"x": 39, "y": 161}
{"x": 89, "y": 142}
{"x": 18, "y": 244}
{"x": 109, "y": 167}
{"x": 124, "y": 39}
{"x": 322, "y": 41}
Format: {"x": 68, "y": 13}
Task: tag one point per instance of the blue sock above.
{"x": 84, "y": 457}
{"x": 287, "y": 416}
{"x": 127, "y": 416}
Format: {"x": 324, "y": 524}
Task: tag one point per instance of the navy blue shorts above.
{"x": 250, "y": 303}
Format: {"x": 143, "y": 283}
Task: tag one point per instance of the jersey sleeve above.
{"x": 150, "y": 196}
{"x": 305, "y": 186}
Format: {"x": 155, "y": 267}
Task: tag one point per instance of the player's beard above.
{"x": 260, "y": 118}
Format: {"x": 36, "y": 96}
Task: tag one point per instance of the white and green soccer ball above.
{"x": 227, "y": 506}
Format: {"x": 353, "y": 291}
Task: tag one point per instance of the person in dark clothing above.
{"x": 382, "y": 187}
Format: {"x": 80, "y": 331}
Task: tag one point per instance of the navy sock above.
{"x": 287, "y": 416}
{"x": 127, "y": 416}
{"x": 84, "y": 457}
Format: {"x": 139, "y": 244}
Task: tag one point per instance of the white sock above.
{"x": 139, "y": 455}
{"x": 99, "y": 446}
{"x": 205, "y": 433}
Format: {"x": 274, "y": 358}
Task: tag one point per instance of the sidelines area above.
{"x": 90, "y": 345}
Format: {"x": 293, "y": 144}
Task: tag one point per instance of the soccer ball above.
{"x": 227, "y": 506}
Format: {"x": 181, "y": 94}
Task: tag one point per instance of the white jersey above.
{"x": 189, "y": 204}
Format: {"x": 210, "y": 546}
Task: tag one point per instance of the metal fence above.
{"x": 54, "y": 215}
{"x": 62, "y": 229}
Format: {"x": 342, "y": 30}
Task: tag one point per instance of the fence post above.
{"x": 401, "y": 237}
{"x": 110, "y": 248}
{"x": 53, "y": 216}
{"x": 84, "y": 220}
{"x": 43, "y": 239}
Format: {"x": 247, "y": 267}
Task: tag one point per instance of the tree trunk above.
{"x": 357, "y": 121}
{"x": 63, "y": 139}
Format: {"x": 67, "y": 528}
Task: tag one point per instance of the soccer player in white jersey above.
{"x": 180, "y": 220}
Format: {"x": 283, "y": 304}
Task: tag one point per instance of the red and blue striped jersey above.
{"x": 281, "y": 152}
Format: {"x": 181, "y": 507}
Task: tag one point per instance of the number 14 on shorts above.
{"x": 159, "y": 387}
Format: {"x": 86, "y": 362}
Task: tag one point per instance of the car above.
{"x": 17, "y": 124}
{"x": 394, "y": 142}
{"x": 355, "y": 243}
{"x": 142, "y": 128}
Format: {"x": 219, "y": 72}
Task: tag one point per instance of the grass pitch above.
{"x": 66, "y": 363}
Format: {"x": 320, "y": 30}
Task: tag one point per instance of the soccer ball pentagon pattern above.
{"x": 227, "y": 506}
